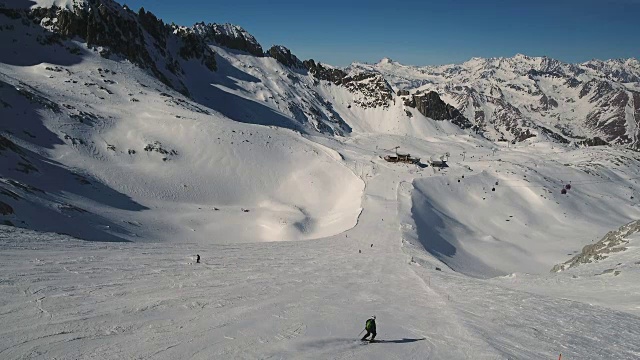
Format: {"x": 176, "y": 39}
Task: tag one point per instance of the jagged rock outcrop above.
{"x": 520, "y": 97}
{"x": 431, "y": 106}
{"x": 618, "y": 70}
{"x": 548, "y": 103}
{"x": 285, "y": 57}
{"x": 370, "y": 88}
{"x": 140, "y": 37}
{"x": 611, "y": 243}
{"x": 193, "y": 47}
{"x": 322, "y": 72}
{"x": 596, "y": 141}
{"x": 230, "y": 36}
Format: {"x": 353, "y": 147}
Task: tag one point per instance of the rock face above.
{"x": 592, "y": 103}
{"x": 431, "y": 106}
{"x": 322, "y": 72}
{"x": 618, "y": 70}
{"x": 230, "y": 36}
{"x": 371, "y": 89}
{"x": 140, "y": 37}
{"x": 611, "y": 243}
{"x": 285, "y": 57}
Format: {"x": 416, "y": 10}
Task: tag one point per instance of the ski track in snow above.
{"x": 309, "y": 299}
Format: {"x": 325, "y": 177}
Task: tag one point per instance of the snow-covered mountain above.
{"x": 93, "y": 93}
{"x": 171, "y": 141}
{"x": 593, "y": 103}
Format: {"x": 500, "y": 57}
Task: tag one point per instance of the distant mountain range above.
{"x": 593, "y": 103}
{"x": 502, "y": 99}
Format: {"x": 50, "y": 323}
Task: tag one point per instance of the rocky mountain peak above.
{"x": 113, "y": 29}
{"x": 285, "y": 57}
{"x": 522, "y": 57}
{"x": 520, "y": 97}
{"x": 619, "y": 70}
{"x": 371, "y": 89}
{"x": 431, "y": 105}
{"x": 230, "y": 36}
{"x": 632, "y": 62}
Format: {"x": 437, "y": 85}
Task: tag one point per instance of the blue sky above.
{"x": 423, "y": 32}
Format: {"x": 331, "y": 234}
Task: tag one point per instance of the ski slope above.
{"x": 506, "y": 213}
{"x": 113, "y": 182}
{"x": 302, "y": 299}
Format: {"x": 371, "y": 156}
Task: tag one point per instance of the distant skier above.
{"x": 370, "y": 327}
{"x": 197, "y": 258}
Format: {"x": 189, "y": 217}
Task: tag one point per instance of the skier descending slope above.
{"x": 370, "y": 327}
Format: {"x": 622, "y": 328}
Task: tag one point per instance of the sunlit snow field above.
{"x": 302, "y": 235}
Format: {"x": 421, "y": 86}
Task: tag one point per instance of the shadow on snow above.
{"x": 400, "y": 341}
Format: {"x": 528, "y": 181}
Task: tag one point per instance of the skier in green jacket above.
{"x": 370, "y": 327}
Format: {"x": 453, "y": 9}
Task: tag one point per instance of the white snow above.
{"x": 63, "y": 4}
{"x": 485, "y": 85}
{"x": 452, "y": 270}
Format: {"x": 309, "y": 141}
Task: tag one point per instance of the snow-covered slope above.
{"x": 504, "y": 213}
{"x": 103, "y": 143}
{"x": 305, "y": 299}
{"x": 191, "y": 141}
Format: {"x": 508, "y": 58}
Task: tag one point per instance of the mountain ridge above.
{"x": 596, "y": 102}
{"x": 506, "y": 97}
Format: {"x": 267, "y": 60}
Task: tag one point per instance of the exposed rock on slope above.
{"x": 431, "y": 106}
{"x": 140, "y": 37}
{"x": 611, "y": 243}
{"x": 370, "y": 88}
{"x": 230, "y": 36}
{"x": 516, "y": 98}
{"x": 183, "y": 58}
{"x": 285, "y": 57}
{"x": 322, "y": 72}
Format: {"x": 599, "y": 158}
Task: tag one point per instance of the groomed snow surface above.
{"x": 67, "y": 298}
{"x": 453, "y": 262}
